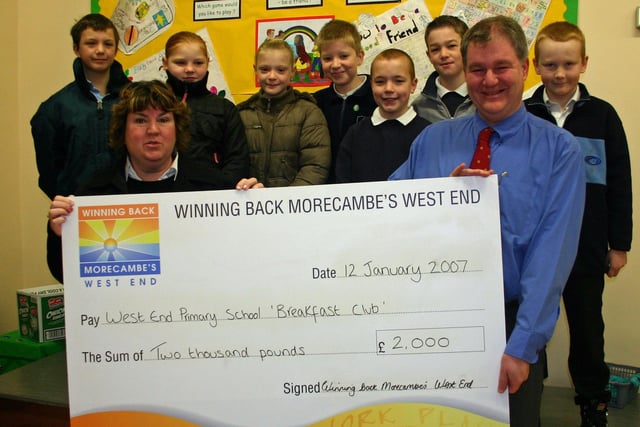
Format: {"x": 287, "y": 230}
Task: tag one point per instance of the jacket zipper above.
{"x": 100, "y": 110}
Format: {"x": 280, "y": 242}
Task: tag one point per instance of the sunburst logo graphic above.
{"x": 119, "y": 240}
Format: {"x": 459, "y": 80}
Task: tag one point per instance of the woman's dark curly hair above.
{"x": 138, "y": 96}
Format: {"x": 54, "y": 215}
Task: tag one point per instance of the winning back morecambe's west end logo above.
{"x": 119, "y": 240}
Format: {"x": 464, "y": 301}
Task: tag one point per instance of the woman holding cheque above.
{"x": 149, "y": 130}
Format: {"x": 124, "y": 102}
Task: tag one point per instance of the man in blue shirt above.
{"x": 541, "y": 198}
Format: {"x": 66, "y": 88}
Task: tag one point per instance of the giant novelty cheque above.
{"x": 337, "y": 305}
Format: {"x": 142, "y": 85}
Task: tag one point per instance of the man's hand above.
{"x": 513, "y": 372}
{"x": 462, "y": 170}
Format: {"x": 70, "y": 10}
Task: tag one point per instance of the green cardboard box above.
{"x": 41, "y": 313}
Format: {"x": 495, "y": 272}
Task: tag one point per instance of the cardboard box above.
{"x": 41, "y": 313}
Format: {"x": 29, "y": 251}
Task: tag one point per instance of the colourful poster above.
{"x": 139, "y": 22}
{"x": 529, "y": 13}
{"x": 300, "y": 34}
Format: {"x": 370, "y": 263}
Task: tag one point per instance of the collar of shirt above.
{"x": 405, "y": 119}
{"x": 95, "y": 91}
{"x": 556, "y": 110}
{"x": 129, "y": 172}
{"x": 460, "y": 90}
{"x": 348, "y": 94}
{"x": 505, "y": 130}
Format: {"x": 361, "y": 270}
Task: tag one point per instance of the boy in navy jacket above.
{"x": 605, "y": 236}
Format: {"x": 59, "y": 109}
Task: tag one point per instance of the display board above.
{"x": 233, "y": 29}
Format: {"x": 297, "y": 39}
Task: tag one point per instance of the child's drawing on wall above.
{"x": 300, "y": 34}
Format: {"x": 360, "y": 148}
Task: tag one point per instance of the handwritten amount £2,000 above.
{"x": 371, "y": 269}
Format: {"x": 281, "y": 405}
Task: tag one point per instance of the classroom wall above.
{"x": 37, "y": 61}
{"x": 10, "y": 219}
{"x": 38, "y": 54}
